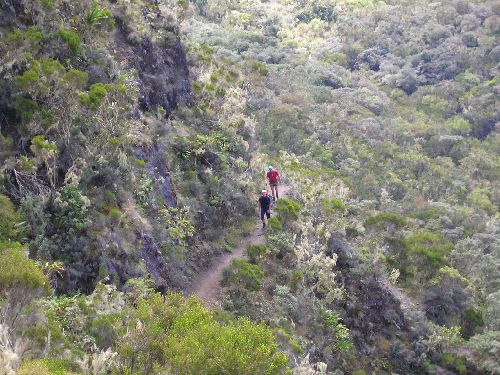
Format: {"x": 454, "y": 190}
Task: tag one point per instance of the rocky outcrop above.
{"x": 162, "y": 68}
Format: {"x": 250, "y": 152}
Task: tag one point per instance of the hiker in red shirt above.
{"x": 273, "y": 177}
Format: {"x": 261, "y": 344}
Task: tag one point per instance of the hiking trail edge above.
{"x": 206, "y": 285}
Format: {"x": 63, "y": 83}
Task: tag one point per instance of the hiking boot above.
{"x": 263, "y": 225}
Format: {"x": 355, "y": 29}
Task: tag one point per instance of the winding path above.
{"x": 206, "y": 285}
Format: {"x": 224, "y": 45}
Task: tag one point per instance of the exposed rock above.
{"x": 162, "y": 69}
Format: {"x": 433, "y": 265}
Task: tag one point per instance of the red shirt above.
{"x": 273, "y": 176}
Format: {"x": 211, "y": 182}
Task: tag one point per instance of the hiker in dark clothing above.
{"x": 265, "y": 207}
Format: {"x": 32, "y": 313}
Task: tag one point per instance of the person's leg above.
{"x": 268, "y": 214}
{"x": 262, "y": 213}
{"x": 273, "y": 191}
{"x": 276, "y": 188}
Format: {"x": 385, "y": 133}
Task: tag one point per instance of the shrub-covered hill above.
{"x": 133, "y": 137}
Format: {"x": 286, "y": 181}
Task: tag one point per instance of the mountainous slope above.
{"x": 134, "y": 138}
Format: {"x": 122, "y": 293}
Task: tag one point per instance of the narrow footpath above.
{"x": 206, "y": 285}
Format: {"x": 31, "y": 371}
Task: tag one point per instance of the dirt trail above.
{"x": 206, "y": 285}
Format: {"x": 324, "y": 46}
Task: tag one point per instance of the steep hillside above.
{"x": 134, "y": 139}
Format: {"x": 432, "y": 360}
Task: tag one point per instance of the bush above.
{"x": 433, "y": 246}
{"x": 72, "y": 39}
{"x": 49, "y": 366}
{"x": 18, "y": 274}
{"x": 25, "y": 108}
{"x": 97, "y": 14}
{"x": 256, "y": 252}
{"x": 115, "y": 213}
{"x": 332, "y": 205}
{"x": 48, "y": 4}
{"x": 342, "y": 336}
{"x": 433, "y": 105}
{"x": 485, "y": 351}
{"x": 275, "y": 223}
{"x": 386, "y": 217}
{"x": 94, "y": 96}
{"x": 260, "y": 67}
{"x": 480, "y": 198}
{"x": 76, "y": 78}
{"x": 243, "y": 273}
{"x": 455, "y": 363}
{"x": 181, "y": 335}
{"x": 9, "y": 221}
{"x": 73, "y": 207}
{"x": 351, "y": 232}
{"x": 472, "y": 321}
{"x": 297, "y": 278}
{"x": 140, "y": 163}
{"x": 287, "y": 209}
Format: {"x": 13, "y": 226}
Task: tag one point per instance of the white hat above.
{"x": 264, "y": 191}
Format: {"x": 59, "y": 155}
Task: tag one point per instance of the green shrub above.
{"x": 342, "y": 336}
{"x": 39, "y": 141}
{"x": 458, "y": 125}
{"x": 115, "y": 213}
{"x": 140, "y": 163}
{"x": 97, "y": 14}
{"x": 48, "y": 366}
{"x": 9, "y": 221}
{"x": 72, "y": 213}
{"x": 337, "y": 58}
{"x": 48, "y": 4}
{"x": 433, "y": 105}
{"x": 19, "y": 272}
{"x": 181, "y": 336}
{"x": 97, "y": 92}
{"x": 72, "y": 39}
{"x": 27, "y": 79}
{"x": 471, "y": 321}
{"x": 275, "y": 223}
{"x": 260, "y": 67}
{"x": 289, "y": 340}
{"x": 32, "y": 78}
{"x": 256, "y": 252}
{"x": 386, "y": 217}
{"x": 287, "y": 209}
{"x": 94, "y": 96}
{"x": 351, "y": 232}
{"x": 31, "y": 35}
{"x": 297, "y": 278}
{"x": 103, "y": 329}
{"x": 243, "y": 273}
{"x": 76, "y": 78}
{"x": 433, "y": 246}
{"x": 427, "y": 213}
{"x": 197, "y": 86}
{"x": 456, "y": 363}
{"x": 110, "y": 196}
{"x": 332, "y": 205}
{"x": 480, "y": 198}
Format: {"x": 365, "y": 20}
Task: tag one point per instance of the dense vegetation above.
{"x": 134, "y": 136}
